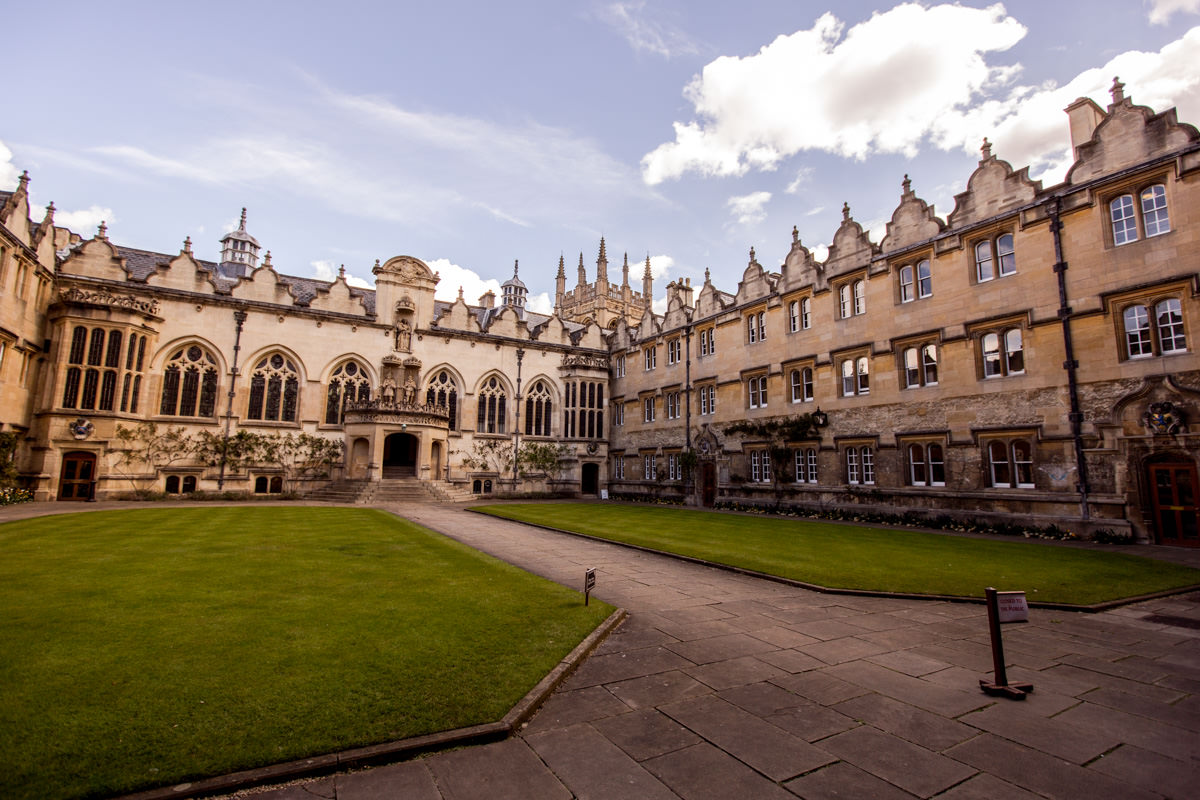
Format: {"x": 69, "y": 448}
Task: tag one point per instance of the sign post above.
{"x": 1004, "y": 607}
{"x": 589, "y": 582}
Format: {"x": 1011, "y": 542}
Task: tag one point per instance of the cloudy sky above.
{"x": 472, "y": 135}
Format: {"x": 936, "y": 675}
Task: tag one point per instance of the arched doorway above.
{"x": 77, "y": 481}
{"x": 1173, "y": 498}
{"x": 591, "y": 479}
{"x": 399, "y": 455}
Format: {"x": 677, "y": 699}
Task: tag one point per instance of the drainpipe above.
{"x": 517, "y": 428}
{"x": 1071, "y": 365}
{"x": 239, "y": 319}
{"x": 687, "y": 384}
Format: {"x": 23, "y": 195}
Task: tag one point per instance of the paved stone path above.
{"x": 725, "y": 686}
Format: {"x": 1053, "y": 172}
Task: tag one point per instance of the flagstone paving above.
{"x": 720, "y": 685}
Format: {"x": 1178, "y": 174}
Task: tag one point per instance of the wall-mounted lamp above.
{"x": 820, "y": 418}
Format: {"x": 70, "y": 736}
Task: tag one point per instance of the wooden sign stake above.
{"x": 1001, "y": 687}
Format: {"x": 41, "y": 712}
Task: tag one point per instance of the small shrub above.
{"x": 1109, "y": 536}
{"x": 11, "y": 496}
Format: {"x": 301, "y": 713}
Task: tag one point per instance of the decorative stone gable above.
{"x": 913, "y": 221}
{"x": 264, "y": 285}
{"x": 800, "y": 268}
{"x": 1127, "y": 135}
{"x": 993, "y": 188}
{"x": 851, "y": 249}
{"x": 755, "y": 282}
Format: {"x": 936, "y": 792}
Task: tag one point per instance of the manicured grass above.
{"x": 154, "y": 646}
{"x": 858, "y": 557}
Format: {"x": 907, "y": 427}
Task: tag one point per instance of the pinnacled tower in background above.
{"x": 239, "y": 251}
{"x": 601, "y": 302}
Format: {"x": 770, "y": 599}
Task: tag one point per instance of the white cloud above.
{"x": 325, "y": 271}
{"x": 803, "y": 176}
{"x": 8, "y": 170}
{"x": 878, "y": 88}
{"x": 660, "y": 266}
{"x": 540, "y": 303}
{"x": 812, "y": 212}
{"x": 452, "y": 277}
{"x": 749, "y": 208}
{"x": 85, "y": 221}
{"x": 644, "y": 34}
{"x": 1029, "y": 128}
{"x": 1161, "y": 10}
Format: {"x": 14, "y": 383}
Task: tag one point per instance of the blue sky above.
{"x": 471, "y": 135}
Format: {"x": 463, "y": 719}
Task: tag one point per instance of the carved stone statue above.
{"x": 387, "y": 391}
{"x": 403, "y": 336}
{"x": 410, "y": 391}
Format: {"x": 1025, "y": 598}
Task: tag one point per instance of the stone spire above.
{"x": 602, "y": 269}
{"x": 625, "y": 271}
{"x": 582, "y": 272}
{"x": 647, "y": 283}
{"x": 560, "y": 285}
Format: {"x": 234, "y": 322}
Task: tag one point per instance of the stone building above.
{"x": 1030, "y": 357}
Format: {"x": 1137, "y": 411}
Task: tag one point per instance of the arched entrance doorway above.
{"x": 1173, "y": 496}
{"x": 591, "y": 479}
{"x": 399, "y": 455}
{"x": 77, "y": 481}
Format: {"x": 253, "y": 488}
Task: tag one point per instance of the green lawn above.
{"x": 858, "y": 557}
{"x": 153, "y": 646}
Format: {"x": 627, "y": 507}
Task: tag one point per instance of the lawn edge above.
{"x": 399, "y": 750}
{"x": 815, "y": 587}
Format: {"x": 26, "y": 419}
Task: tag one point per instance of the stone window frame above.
{"x": 913, "y": 357}
{"x": 674, "y": 350}
{"x": 1001, "y": 259}
{"x": 1150, "y": 299}
{"x": 930, "y": 470}
{"x": 1009, "y": 459}
{"x": 707, "y": 393}
{"x": 1137, "y": 218}
{"x": 756, "y": 325}
{"x": 806, "y": 463}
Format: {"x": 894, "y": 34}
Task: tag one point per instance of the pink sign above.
{"x": 1012, "y": 607}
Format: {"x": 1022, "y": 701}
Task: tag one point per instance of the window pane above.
{"x": 991, "y": 355}
{"x": 848, "y": 378}
{"x": 1023, "y": 463}
{"x": 998, "y": 461}
{"x": 929, "y": 363}
{"x": 912, "y": 370}
{"x": 1006, "y": 254}
{"x": 864, "y": 377}
{"x": 924, "y": 279}
{"x": 1137, "y": 332}
{"x": 916, "y": 461}
{"x": 906, "y": 284}
{"x": 1014, "y": 352}
{"x": 1154, "y": 210}
{"x": 1169, "y": 314}
{"x": 1123, "y": 222}
{"x": 983, "y": 261}
{"x": 937, "y": 466}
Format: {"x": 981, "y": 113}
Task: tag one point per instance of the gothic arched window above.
{"x": 190, "y": 384}
{"x": 491, "y": 407}
{"x": 274, "y": 389}
{"x": 349, "y": 382}
{"x": 443, "y": 392}
{"x": 537, "y": 410}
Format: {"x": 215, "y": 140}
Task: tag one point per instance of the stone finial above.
{"x": 795, "y": 235}
{"x": 986, "y": 149}
{"x": 376, "y": 263}
{"x": 102, "y": 231}
{"x": 845, "y": 212}
{"x": 516, "y": 266}
{"x": 752, "y": 254}
{"x": 50, "y": 213}
{"x": 267, "y": 260}
{"x": 23, "y": 181}
{"x": 647, "y": 274}
{"x": 907, "y": 184}
{"x": 242, "y": 224}
{"x": 1118, "y": 91}
{"x": 187, "y": 245}
{"x": 603, "y": 257}
{"x": 342, "y": 271}
{"x": 562, "y": 273}
{"x": 460, "y": 292}
{"x": 707, "y": 275}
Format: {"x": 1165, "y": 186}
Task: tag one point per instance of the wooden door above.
{"x": 708, "y": 484}
{"x": 1175, "y": 510}
{"x": 77, "y": 477}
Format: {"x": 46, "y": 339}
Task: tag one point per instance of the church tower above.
{"x": 239, "y": 251}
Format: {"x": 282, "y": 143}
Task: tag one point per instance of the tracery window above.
{"x": 348, "y": 383}
{"x": 189, "y": 384}
{"x": 583, "y": 415}
{"x": 491, "y": 407}
{"x": 94, "y": 369}
{"x": 538, "y": 407}
{"x": 274, "y": 389}
{"x": 443, "y": 393}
